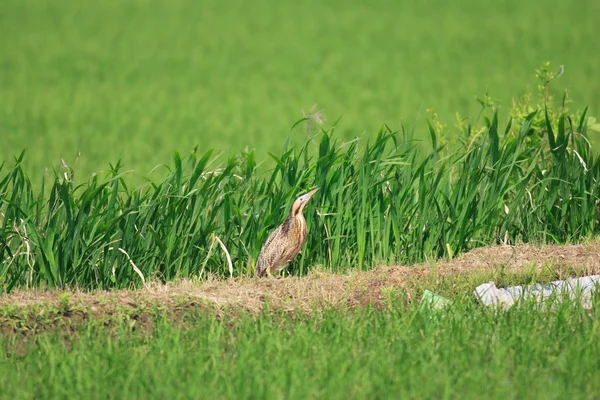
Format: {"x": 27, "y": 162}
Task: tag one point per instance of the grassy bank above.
{"x": 358, "y": 335}
{"x": 464, "y": 351}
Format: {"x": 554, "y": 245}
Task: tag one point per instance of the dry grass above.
{"x": 323, "y": 289}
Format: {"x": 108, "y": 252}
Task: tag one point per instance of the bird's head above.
{"x": 301, "y": 201}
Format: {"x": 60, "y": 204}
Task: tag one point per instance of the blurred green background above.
{"x": 138, "y": 79}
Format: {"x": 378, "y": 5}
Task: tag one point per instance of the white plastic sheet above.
{"x": 576, "y": 288}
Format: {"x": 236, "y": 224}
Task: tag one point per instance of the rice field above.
{"x": 138, "y": 80}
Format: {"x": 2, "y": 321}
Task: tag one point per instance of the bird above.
{"x": 286, "y": 241}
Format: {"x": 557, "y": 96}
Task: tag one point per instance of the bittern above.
{"x": 286, "y": 241}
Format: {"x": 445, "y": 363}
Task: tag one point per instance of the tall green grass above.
{"x": 387, "y": 200}
{"x": 462, "y": 352}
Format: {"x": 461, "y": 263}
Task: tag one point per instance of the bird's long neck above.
{"x": 296, "y": 223}
{"x": 300, "y": 223}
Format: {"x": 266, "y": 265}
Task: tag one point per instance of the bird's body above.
{"x": 286, "y": 241}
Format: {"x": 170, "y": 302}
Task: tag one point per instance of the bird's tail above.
{"x": 261, "y": 268}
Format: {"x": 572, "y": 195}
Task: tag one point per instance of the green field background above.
{"x": 138, "y": 79}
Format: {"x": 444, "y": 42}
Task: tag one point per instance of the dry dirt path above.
{"x": 319, "y": 288}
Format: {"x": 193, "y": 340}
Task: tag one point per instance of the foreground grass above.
{"x": 234, "y": 74}
{"x": 464, "y": 351}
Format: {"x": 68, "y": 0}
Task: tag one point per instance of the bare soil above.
{"x": 26, "y": 311}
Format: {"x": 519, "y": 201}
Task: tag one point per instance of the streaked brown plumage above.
{"x": 286, "y": 241}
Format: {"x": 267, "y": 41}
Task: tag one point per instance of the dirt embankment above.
{"x": 26, "y": 311}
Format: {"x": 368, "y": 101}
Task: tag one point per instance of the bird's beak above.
{"x": 310, "y": 194}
